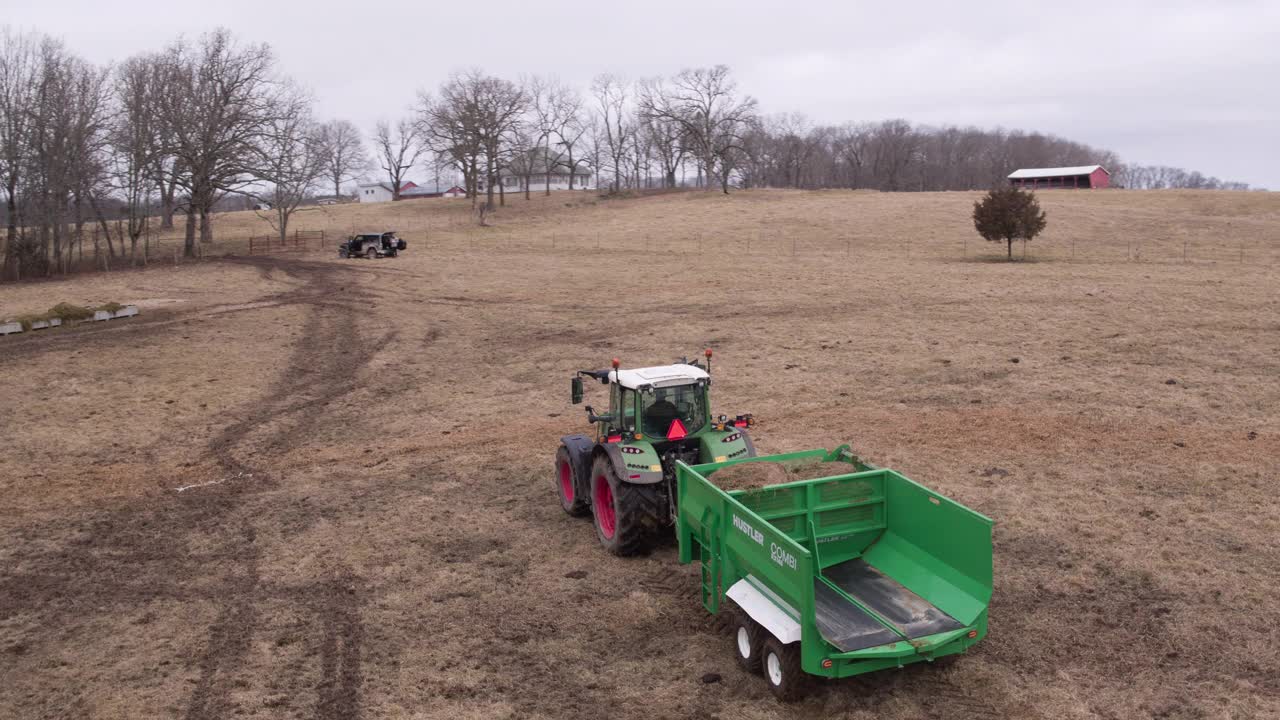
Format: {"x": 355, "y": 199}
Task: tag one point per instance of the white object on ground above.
{"x": 101, "y": 315}
{"x": 184, "y": 488}
{"x": 127, "y": 311}
{"x": 10, "y": 327}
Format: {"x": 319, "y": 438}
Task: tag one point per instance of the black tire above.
{"x": 576, "y": 503}
{"x": 748, "y": 641}
{"x": 782, "y": 671}
{"x": 623, "y": 514}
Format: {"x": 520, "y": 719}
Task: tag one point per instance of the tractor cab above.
{"x": 666, "y": 402}
{"x": 657, "y": 416}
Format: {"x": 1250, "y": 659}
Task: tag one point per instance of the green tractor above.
{"x": 625, "y": 477}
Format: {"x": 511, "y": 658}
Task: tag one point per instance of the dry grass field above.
{"x": 302, "y": 487}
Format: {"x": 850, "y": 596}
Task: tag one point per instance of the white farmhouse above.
{"x": 532, "y": 169}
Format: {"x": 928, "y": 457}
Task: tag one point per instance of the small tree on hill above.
{"x": 1008, "y": 214}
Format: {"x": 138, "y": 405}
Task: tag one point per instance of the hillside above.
{"x": 299, "y": 486}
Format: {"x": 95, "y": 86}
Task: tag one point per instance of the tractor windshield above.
{"x": 660, "y": 408}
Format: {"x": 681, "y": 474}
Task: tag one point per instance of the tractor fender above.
{"x": 727, "y": 444}
{"x": 634, "y": 476}
{"x": 579, "y": 447}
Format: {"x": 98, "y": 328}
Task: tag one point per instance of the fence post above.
{"x": 1184, "y": 251}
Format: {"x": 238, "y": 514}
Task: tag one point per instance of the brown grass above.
{"x": 368, "y": 526}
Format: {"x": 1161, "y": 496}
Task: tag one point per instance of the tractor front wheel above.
{"x": 571, "y": 501}
{"x": 622, "y": 511}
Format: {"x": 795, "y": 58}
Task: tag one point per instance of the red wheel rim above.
{"x": 604, "y": 507}
{"x": 566, "y": 482}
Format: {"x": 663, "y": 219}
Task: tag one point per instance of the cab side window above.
{"x": 627, "y": 411}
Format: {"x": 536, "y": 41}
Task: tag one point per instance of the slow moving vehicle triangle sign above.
{"x": 676, "y": 431}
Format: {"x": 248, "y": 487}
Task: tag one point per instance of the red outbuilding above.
{"x": 1085, "y": 176}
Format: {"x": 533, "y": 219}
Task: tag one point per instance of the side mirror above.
{"x": 575, "y": 390}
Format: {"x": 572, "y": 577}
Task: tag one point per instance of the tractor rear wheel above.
{"x": 787, "y": 681}
{"x": 573, "y": 502}
{"x": 623, "y": 512}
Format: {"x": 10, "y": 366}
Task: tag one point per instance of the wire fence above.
{"x": 1188, "y": 251}
{"x": 104, "y": 257}
{"x": 457, "y": 231}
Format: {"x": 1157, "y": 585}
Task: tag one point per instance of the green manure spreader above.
{"x": 839, "y": 575}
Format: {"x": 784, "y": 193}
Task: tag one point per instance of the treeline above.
{"x": 113, "y": 151}
{"x": 107, "y": 151}
{"x": 1163, "y": 177}
{"x": 788, "y": 151}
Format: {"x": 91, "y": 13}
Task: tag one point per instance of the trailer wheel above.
{"x": 573, "y": 502}
{"x": 620, "y": 510}
{"x": 782, "y": 670}
{"x": 748, "y": 641}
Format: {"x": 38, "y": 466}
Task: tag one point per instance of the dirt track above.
{"x": 367, "y": 526}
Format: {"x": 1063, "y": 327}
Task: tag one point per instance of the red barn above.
{"x": 1085, "y": 176}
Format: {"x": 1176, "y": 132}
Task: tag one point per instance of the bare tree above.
{"x": 705, "y": 103}
{"x": 66, "y": 139}
{"x": 666, "y": 135}
{"x": 555, "y": 109}
{"x": 294, "y": 160}
{"x": 397, "y": 150}
{"x": 616, "y": 124}
{"x": 221, "y": 100}
{"x": 571, "y": 128}
{"x": 135, "y": 147}
{"x": 343, "y": 153}
{"x": 474, "y": 118}
{"x": 18, "y": 63}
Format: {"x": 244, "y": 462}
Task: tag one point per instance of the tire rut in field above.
{"x": 332, "y": 348}
{"x": 332, "y": 352}
{"x": 201, "y": 551}
{"x": 340, "y": 652}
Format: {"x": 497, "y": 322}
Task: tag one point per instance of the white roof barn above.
{"x": 1080, "y": 176}
{"x": 1054, "y": 172}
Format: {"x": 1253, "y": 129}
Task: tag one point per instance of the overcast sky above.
{"x": 1192, "y": 84}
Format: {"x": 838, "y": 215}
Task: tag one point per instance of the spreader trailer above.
{"x": 836, "y": 576}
